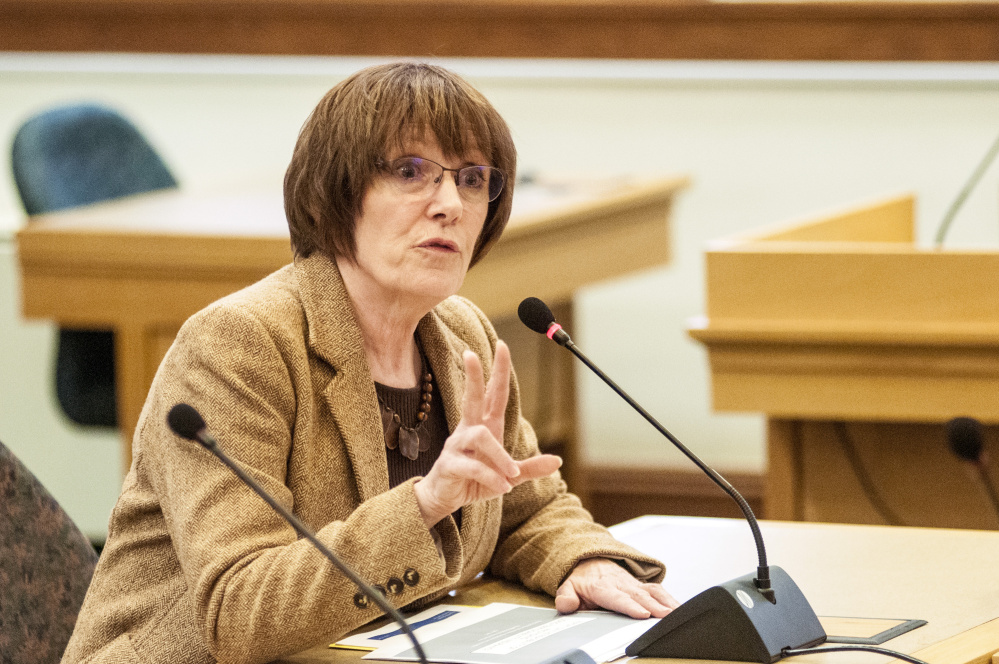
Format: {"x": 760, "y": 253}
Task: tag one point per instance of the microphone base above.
{"x": 735, "y": 622}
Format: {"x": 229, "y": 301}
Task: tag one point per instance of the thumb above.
{"x": 538, "y": 466}
{"x": 566, "y": 599}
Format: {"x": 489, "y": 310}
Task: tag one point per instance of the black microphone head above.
{"x": 536, "y": 315}
{"x": 964, "y": 435}
{"x": 186, "y": 422}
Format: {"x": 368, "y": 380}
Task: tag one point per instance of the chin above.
{"x": 435, "y": 291}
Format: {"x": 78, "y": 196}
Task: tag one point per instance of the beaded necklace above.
{"x": 407, "y": 438}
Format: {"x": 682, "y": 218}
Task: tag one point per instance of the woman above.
{"x": 351, "y": 385}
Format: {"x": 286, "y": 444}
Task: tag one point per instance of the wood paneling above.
{"x": 890, "y": 473}
{"x": 883, "y": 31}
{"x": 618, "y": 493}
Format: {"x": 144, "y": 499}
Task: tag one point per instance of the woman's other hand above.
{"x": 598, "y": 583}
{"x": 474, "y": 465}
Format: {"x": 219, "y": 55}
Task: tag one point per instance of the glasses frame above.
{"x": 387, "y": 167}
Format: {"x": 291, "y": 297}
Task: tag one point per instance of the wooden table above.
{"x": 946, "y": 577}
{"x": 141, "y": 266}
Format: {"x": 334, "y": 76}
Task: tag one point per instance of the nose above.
{"x": 446, "y": 204}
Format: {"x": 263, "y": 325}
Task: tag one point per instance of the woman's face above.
{"x": 416, "y": 247}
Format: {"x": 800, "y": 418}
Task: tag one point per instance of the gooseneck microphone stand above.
{"x": 754, "y": 618}
{"x": 187, "y": 423}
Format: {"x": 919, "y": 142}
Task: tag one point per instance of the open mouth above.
{"x": 440, "y": 244}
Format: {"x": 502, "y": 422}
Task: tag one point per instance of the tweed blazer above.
{"x": 197, "y": 568}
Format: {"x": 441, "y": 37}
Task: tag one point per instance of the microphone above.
{"x": 964, "y": 436}
{"x": 187, "y": 423}
{"x": 962, "y": 195}
{"x": 748, "y": 619}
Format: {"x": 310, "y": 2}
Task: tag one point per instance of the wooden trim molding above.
{"x": 618, "y": 493}
{"x": 933, "y": 30}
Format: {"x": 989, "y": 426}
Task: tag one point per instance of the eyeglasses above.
{"x": 418, "y": 176}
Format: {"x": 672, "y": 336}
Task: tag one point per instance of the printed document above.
{"x": 511, "y": 634}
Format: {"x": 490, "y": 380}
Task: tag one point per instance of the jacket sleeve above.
{"x": 545, "y": 530}
{"x": 258, "y": 590}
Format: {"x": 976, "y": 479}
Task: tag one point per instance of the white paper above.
{"x": 426, "y": 625}
{"x": 511, "y": 634}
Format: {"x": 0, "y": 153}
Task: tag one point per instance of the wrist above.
{"x": 430, "y": 510}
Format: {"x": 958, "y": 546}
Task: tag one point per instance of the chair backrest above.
{"x": 79, "y": 154}
{"x": 45, "y": 567}
{"x": 75, "y": 155}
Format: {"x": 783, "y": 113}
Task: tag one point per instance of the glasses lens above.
{"x": 480, "y": 182}
{"x": 496, "y": 181}
{"x": 412, "y": 174}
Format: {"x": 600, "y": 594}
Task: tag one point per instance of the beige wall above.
{"x": 762, "y": 142}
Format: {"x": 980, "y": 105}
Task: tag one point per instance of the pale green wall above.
{"x": 762, "y": 142}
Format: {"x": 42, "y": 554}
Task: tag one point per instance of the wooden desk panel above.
{"x": 142, "y": 266}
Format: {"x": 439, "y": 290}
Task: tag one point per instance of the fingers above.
{"x": 516, "y": 472}
{"x": 473, "y": 403}
{"x": 498, "y": 390}
{"x": 486, "y": 404}
{"x": 455, "y": 480}
{"x": 652, "y": 599}
{"x": 623, "y": 604}
{"x": 539, "y": 466}
{"x": 599, "y": 582}
{"x": 636, "y": 601}
{"x": 566, "y": 599}
{"x": 660, "y": 595}
{"x": 478, "y": 442}
{"x": 474, "y": 464}
{"x": 470, "y": 469}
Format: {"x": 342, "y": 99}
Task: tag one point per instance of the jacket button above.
{"x": 411, "y": 577}
{"x": 361, "y": 601}
{"x": 395, "y": 586}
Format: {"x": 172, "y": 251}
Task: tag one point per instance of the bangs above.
{"x": 430, "y": 105}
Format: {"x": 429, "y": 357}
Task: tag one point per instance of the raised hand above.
{"x": 474, "y": 465}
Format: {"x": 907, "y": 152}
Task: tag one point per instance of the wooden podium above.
{"x": 858, "y": 346}
{"x": 141, "y": 266}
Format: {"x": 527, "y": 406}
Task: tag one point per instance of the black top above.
{"x": 406, "y": 403}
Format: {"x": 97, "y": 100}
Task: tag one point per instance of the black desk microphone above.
{"x": 965, "y": 438}
{"x": 753, "y": 618}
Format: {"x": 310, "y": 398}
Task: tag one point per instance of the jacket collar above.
{"x": 334, "y": 336}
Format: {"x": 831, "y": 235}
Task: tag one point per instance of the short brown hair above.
{"x": 356, "y": 124}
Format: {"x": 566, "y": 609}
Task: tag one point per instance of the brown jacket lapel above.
{"x": 333, "y": 335}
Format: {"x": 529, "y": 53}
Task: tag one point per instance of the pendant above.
{"x": 409, "y": 443}
{"x": 390, "y": 425}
